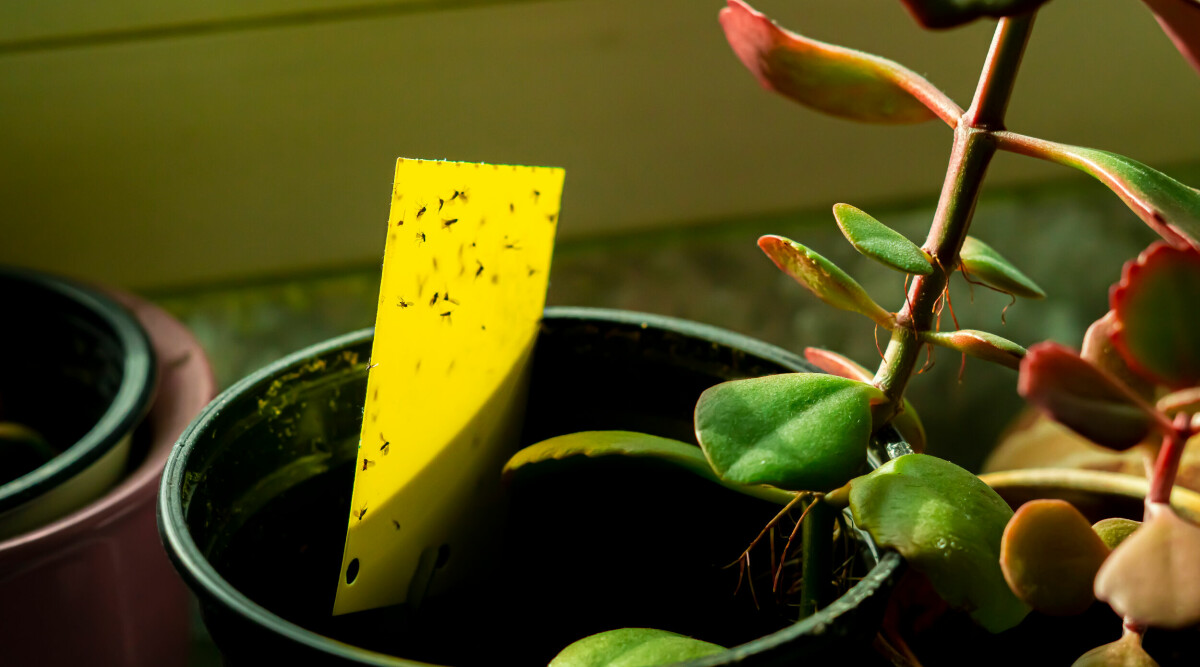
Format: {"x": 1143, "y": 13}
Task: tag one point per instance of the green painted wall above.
{"x": 154, "y": 144}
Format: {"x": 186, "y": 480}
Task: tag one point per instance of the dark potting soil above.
{"x": 587, "y": 548}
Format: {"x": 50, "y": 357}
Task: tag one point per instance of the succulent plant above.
{"x": 801, "y": 438}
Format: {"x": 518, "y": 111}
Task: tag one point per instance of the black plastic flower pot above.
{"x": 254, "y": 502}
{"x": 78, "y": 375}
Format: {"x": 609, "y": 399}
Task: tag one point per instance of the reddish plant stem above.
{"x": 1165, "y": 468}
{"x": 973, "y": 148}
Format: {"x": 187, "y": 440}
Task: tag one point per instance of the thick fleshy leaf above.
{"x": 1100, "y": 350}
{"x": 952, "y": 13}
{"x": 988, "y": 267}
{"x": 1114, "y": 531}
{"x": 880, "y": 242}
{"x": 797, "y": 431}
{"x": 1158, "y": 313}
{"x": 633, "y": 647}
{"x": 1050, "y": 556}
{"x": 1082, "y": 397}
{"x": 906, "y": 422}
{"x": 593, "y": 444}
{"x": 833, "y": 79}
{"x": 947, "y": 524}
{"x": 979, "y": 344}
{"x": 1171, "y": 208}
{"x": 824, "y": 279}
{"x": 1152, "y": 578}
{"x": 1180, "y": 19}
{"x": 1125, "y": 652}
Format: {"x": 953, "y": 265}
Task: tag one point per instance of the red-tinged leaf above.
{"x": 835, "y": 364}
{"x": 1180, "y": 19}
{"x": 1100, "y": 351}
{"x": 906, "y": 422}
{"x": 1050, "y": 556}
{"x": 1171, "y": 208}
{"x": 833, "y": 79}
{"x": 1082, "y": 397}
{"x": 979, "y": 344}
{"x": 1152, "y": 577}
{"x": 952, "y": 13}
{"x": 824, "y": 279}
{"x": 1157, "y": 304}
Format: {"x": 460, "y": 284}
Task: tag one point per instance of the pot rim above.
{"x": 1184, "y": 501}
{"x": 186, "y": 385}
{"x": 128, "y": 406}
{"x": 187, "y": 558}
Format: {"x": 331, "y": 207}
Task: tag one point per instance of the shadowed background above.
{"x": 234, "y": 161}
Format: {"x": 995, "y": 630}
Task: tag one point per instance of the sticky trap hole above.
{"x": 352, "y": 571}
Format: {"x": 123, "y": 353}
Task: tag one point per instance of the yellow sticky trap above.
{"x": 464, "y": 281}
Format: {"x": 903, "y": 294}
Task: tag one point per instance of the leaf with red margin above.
{"x": 1157, "y": 303}
{"x": 1169, "y": 207}
{"x": 1082, "y": 397}
{"x": 1180, "y": 19}
{"x": 824, "y": 279}
{"x": 952, "y": 13}
{"x": 1099, "y": 350}
{"x": 833, "y": 79}
{"x": 978, "y": 344}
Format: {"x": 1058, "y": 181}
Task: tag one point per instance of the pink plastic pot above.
{"x": 95, "y": 587}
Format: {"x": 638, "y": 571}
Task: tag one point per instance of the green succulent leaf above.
{"x": 824, "y": 279}
{"x": 1157, "y": 305}
{"x": 1114, "y": 531}
{"x": 952, "y": 13}
{"x": 989, "y": 267}
{"x": 832, "y": 79}
{"x": 1050, "y": 555}
{"x": 947, "y": 524}
{"x": 979, "y": 344}
{"x": 593, "y": 444}
{"x": 1171, "y": 208}
{"x": 633, "y": 647}
{"x": 797, "y": 431}
{"x": 906, "y": 422}
{"x": 880, "y": 242}
{"x": 1125, "y": 652}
